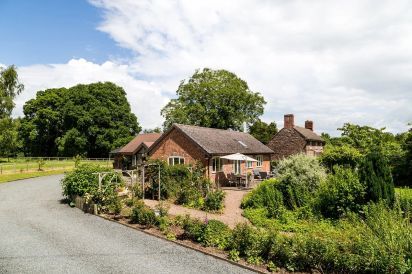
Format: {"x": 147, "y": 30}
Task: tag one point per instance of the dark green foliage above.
{"x": 193, "y": 229}
{"x": 10, "y": 143}
{"x": 342, "y": 192}
{"x": 143, "y": 215}
{"x": 216, "y": 234}
{"x": 214, "y": 98}
{"x": 375, "y": 175}
{"x": 262, "y": 131}
{"x": 214, "y": 200}
{"x": 250, "y": 242}
{"x": 267, "y": 196}
{"x": 88, "y": 120}
{"x": 402, "y": 170}
{"x": 84, "y": 183}
{"x": 343, "y": 155}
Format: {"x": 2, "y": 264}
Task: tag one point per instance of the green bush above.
{"x": 250, "y": 242}
{"x": 265, "y": 195}
{"x": 214, "y": 201}
{"x": 299, "y": 178}
{"x": 340, "y": 193}
{"x": 342, "y": 155}
{"x": 143, "y": 215}
{"x": 193, "y": 229}
{"x": 216, "y": 234}
{"x": 83, "y": 181}
{"x": 404, "y": 200}
{"x": 375, "y": 175}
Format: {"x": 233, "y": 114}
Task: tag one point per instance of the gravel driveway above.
{"x": 38, "y": 234}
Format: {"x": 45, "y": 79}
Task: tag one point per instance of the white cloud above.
{"x": 330, "y": 61}
{"x": 145, "y": 98}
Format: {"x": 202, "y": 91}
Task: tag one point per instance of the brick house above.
{"x": 293, "y": 139}
{"x": 134, "y": 153}
{"x": 184, "y": 144}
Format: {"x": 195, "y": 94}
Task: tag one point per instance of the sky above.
{"x": 328, "y": 61}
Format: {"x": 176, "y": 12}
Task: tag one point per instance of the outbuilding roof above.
{"x": 221, "y": 142}
{"x": 147, "y": 138}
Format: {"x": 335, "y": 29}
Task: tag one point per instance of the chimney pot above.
{"x": 289, "y": 121}
{"x": 309, "y": 125}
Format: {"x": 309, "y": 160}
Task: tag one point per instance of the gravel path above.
{"x": 38, "y": 234}
{"x": 232, "y": 213}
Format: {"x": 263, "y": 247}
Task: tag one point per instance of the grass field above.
{"x": 22, "y": 168}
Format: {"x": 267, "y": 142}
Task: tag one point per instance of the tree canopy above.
{"x": 262, "y": 131}
{"x": 214, "y": 98}
{"x": 10, "y": 87}
{"x": 88, "y": 120}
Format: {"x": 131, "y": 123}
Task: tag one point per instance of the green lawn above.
{"x": 32, "y": 165}
{"x": 23, "y": 168}
{"x": 19, "y": 176}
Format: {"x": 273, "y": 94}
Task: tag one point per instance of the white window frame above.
{"x": 259, "y": 159}
{"x": 181, "y": 160}
{"x": 216, "y": 164}
{"x": 237, "y": 167}
{"x": 249, "y": 164}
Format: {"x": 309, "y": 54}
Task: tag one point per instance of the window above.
{"x": 249, "y": 164}
{"x": 176, "y": 160}
{"x": 216, "y": 164}
{"x": 259, "y": 159}
{"x": 236, "y": 167}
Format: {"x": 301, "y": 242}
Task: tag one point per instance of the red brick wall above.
{"x": 177, "y": 144}
{"x": 287, "y": 142}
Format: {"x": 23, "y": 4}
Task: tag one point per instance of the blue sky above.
{"x": 328, "y": 61}
{"x": 53, "y": 31}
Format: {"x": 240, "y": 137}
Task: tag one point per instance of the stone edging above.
{"x": 184, "y": 245}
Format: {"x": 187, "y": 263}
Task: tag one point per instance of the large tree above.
{"x": 89, "y": 120}
{"x": 214, "y": 98}
{"x": 262, "y": 131}
{"x": 10, "y": 87}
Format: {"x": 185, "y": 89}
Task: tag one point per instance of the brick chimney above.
{"x": 289, "y": 121}
{"x": 309, "y": 125}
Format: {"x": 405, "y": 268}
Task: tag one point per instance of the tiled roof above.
{"x": 220, "y": 141}
{"x": 148, "y": 139}
{"x": 308, "y": 134}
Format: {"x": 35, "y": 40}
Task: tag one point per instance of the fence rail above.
{"x": 33, "y": 164}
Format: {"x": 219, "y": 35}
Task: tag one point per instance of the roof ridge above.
{"x": 212, "y": 128}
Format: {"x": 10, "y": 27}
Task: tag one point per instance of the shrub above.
{"x": 299, "y": 178}
{"x": 342, "y": 155}
{"x": 143, "y": 215}
{"x": 163, "y": 209}
{"x": 340, "y": 193}
{"x": 214, "y": 201}
{"x": 404, "y": 201}
{"x": 267, "y": 196}
{"x": 193, "y": 229}
{"x": 249, "y": 242}
{"x": 83, "y": 182}
{"x": 216, "y": 234}
{"x": 375, "y": 175}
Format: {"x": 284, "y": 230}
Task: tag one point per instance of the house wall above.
{"x": 287, "y": 142}
{"x": 177, "y": 144}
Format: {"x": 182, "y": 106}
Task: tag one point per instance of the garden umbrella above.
{"x": 239, "y": 157}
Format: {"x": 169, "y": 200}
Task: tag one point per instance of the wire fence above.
{"x": 34, "y": 164}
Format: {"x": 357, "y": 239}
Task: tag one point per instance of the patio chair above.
{"x": 256, "y": 174}
{"x": 231, "y": 179}
{"x": 264, "y": 175}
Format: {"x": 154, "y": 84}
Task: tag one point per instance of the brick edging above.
{"x": 184, "y": 245}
